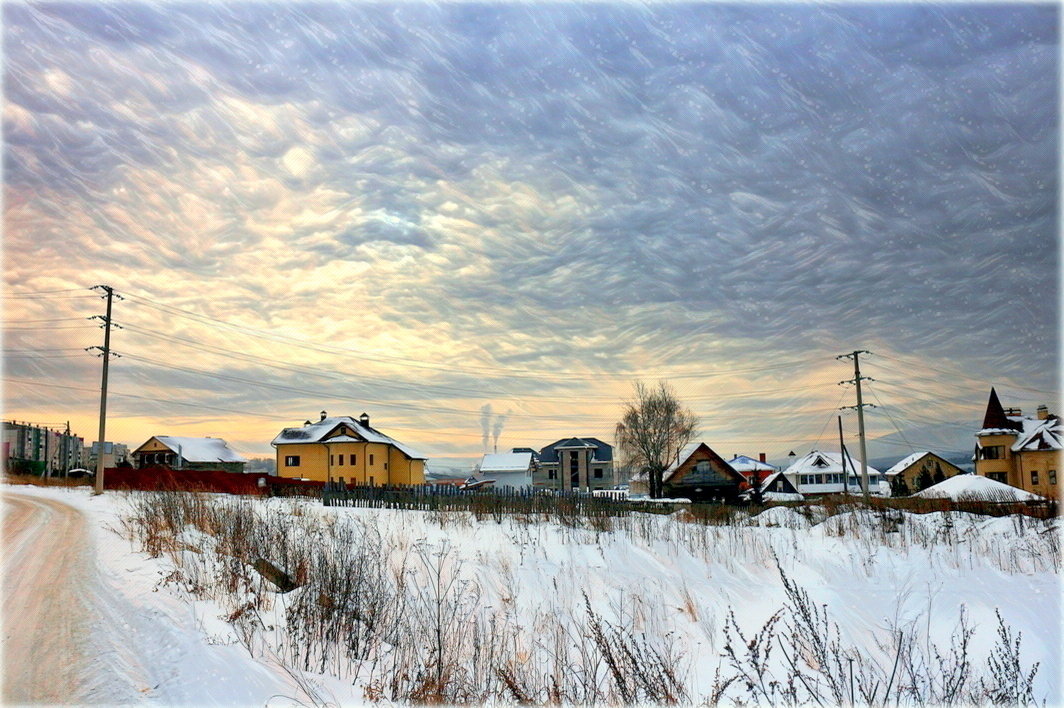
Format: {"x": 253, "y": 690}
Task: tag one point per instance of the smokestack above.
{"x": 760, "y": 457}
{"x": 364, "y": 419}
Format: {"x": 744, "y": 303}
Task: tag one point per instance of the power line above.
{"x": 380, "y": 358}
{"x": 262, "y": 361}
{"x": 891, "y": 418}
{"x": 959, "y": 374}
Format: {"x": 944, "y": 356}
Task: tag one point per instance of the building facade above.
{"x": 1019, "y": 450}
{"x": 832, "y": 473}
{"x": 114, "y": 455}
{"x": 188, "y": 454}
{"x": 575, "y": 464}
{"x": 34, "y": 449}
{"x": 919, "y": 471}
{"x": 507, "y": 469}
{"x": 343, "y": 447}
{"x": 697, "y": 473}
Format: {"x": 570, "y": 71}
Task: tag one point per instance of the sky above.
{"x": 482, "y": 223}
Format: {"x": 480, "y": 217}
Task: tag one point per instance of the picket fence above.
{"x": 506, "y": 500}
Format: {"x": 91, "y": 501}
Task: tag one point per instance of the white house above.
{"x": 507, "y": 469}
{"x": 822, "y": 473}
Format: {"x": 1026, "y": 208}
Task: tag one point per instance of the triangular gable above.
{"x": 715, "y": 460}
{"x": 149, "y": 441}
{"x": 778, "y": 482}
{"x": 342, "y": 429}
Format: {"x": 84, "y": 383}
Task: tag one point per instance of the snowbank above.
{"x": 653, "y": 573}
{"x": 973, "y": 487}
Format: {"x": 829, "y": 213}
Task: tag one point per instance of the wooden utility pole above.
{"x": 105, "y": 352}
{"x": 842, "y": 456}
{"x": 856, "y": 381}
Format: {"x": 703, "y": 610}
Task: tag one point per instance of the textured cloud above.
{"x": 482, "y": 199}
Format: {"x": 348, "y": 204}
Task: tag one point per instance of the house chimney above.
{"x": 324, "y": 415}
{"x": 1043, "y": 412}
{"x": 306, "y": 422}
{"x": 364, "y": 419}
{"x": 760, "y": 457}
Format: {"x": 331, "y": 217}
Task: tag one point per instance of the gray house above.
{"x": 575, "y": 464}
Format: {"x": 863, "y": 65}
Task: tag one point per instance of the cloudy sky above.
{"x": 465, "y": 218}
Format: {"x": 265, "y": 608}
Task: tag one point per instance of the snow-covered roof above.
{"x": 1041, "y": 435}
{"x": 742, "y": 463}
{"x": 200, "y": 449}
{"x": 817, "y": 462}
{"x": 506, "y": 462}
{"x": 973, "y": 487}
{"x": 316, "y": 432}
{"x": 906, "y": 463}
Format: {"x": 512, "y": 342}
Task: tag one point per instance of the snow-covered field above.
{"x": 668, "y": 580}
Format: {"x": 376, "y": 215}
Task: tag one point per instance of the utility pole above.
{"x": 105, "y": 352}
{"x": 856, "y": 381}
{"x": 842, "y": 456}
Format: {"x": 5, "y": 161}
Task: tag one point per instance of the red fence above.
{"x": 156, "y": 478}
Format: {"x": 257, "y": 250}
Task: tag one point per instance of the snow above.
{"x": 742, "y": 463}
{"x": 656, "y": 573}
{"x": 782, "y": 516}
{"x": 781, "y": 497}
{"x": 151, "y": 642}
{"x": 905, "y": 463}
{"x": 200, "y": 449}
{"x": 1045, "y": 435}
{"x": 973, "y": 487}
{"x": 833, "y": 464}
{"x": 315, "y": 432}
{"x": 506, "y": 462}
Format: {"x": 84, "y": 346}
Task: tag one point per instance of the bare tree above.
{"x": 653, "y": 429}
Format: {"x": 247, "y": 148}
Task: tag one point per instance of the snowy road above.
{"x": 87, "y": 621}
{"x": 45, "y": 619}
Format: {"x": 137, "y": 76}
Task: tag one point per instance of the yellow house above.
{"x": 344, "y": 447}
{"x": 1020, "y": 450}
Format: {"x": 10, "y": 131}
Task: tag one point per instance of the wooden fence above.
{"x": 502, "y": 501}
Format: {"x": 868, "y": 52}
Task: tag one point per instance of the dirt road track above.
{"x": 45, "y": 617}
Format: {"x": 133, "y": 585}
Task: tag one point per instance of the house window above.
{"x": 1052, "y": 476}
{"x": 598, "y": 473}
{"x": 291, "y": 461}
{"x": 354, "y": 458}
{"x": 993, "y": 452}
{"x": 341, "y": 460}
{"x": 552, "y": 474}
{"x": 1034, "y": 477}
{"x": 371, "y": 459}
{"x": 332, "y": 460}
{"x": 997, "y": 477}
{"x": 385, "y": 465}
